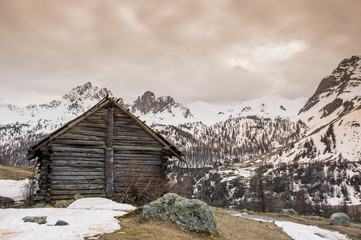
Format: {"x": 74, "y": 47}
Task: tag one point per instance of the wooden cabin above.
{"x": 93, "y": 154}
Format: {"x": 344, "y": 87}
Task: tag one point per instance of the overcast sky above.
{"x": 215, "y": 51}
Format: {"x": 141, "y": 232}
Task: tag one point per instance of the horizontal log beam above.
{"x": 83, "y": 141}
{"x": 75, "y": 178}
{"x": 73, "y": 192}
{"x": 136, "y": 148}
{"x": 83, "y": 132}
{"x": 70, "y": 150}
{"x": 89, "y": 164}
{"x": 77, "y": 187}
{"x": 65, "y": 197}
{"x": 73, "y": 173}
{"x": 75, "y": 169}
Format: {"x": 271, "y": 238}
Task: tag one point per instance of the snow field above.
{"x": 86, "y": 217}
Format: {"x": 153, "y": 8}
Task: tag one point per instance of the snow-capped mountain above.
{"x": 162, "y": 110}
{"x": 20, "y": 127}
{"x": 320, "y": 170}
{"x": 200, "y": 129}
{"x": 336, "y": 95}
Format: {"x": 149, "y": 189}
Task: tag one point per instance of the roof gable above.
{"x": 32, "y": 151}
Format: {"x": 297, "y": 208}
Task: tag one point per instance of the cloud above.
{"x": 193, "y": 50}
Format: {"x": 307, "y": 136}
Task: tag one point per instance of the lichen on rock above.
{"x": 340, "y": 219}
{"x": 190, "y": 214}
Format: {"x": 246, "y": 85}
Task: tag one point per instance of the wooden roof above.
{"x": 33, "y": 149}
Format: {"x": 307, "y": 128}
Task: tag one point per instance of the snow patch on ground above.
{"x": 100, "y": 204}
{"x": 305, "y": 232}
{"x": 84, "y": 218}
{"x": 13, "y": 189}
{"x": 295, "y": 230}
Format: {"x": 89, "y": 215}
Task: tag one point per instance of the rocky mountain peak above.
{"x": 148, "y": 103}
{"x": 87, "y": 91}
{"x": 348, "y": 65}
{"x": 346, "y": 78}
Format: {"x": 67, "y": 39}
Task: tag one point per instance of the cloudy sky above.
{"x": 215, "y": 51}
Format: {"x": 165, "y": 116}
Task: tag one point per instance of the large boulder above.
{"x": 340, "y": 219}
{"x": 190, "y": 214}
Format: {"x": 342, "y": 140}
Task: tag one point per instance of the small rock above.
{"x": 38, "y": 220}
{"x": 40, "y": 205}
{"x": 317, "y": 218}
{"x": 6, "y": 202}
{"x": 289, "y": 212}
{"x": 61, "y": 223}
{"x": 340, "y": 219}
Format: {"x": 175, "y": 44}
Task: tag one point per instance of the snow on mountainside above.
{"x": 336, "y": 95}
{"x": 319, "y": 171}
{"x": 198, "y": 123}
{"x": 20, "y": 127}
{"x": 162, "y": 110}
{"x": 267, "y": 107}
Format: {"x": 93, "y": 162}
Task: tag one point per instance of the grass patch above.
{"x": 229, "y": 227}
{"x": 15, "y": 172}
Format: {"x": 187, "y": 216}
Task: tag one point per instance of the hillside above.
{"x": 317, "y": 173}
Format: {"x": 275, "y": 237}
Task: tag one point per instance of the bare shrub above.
{"x": 182, "y": 187}
{"x": 30, "y": 189}
{"x": 140, "y": 186}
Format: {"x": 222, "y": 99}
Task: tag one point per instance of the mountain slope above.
{"x": 336, "y": 95}
{"x": 314, "y": 174}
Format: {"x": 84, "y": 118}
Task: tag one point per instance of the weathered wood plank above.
{"x": 73, "y": 192}
{"x": 137, "y": 160}
{"x": 137, "y": 154}
{"x": 77, "y": 181}
{"x": 73, "y": 173}
{"x": 70, "y": 150}
{"x": 79, "y": 142}
{"x": 119, "y": 125}
{"x": 89, "y": 164}
{"x": 109, "y": 156}
{"x": 75, "y": 169}
{"x": 65, "y": 197}
{"x": 136, "y": 148}
{"x": 78, "y": 148}
{"x": 78, "y": 129}
{"x": 92, "y": 125}
{"x": 77, "y": 186}
{"x": 78, "y": 158}
{"x": 77, "y": 177}
{"x": 85, "y": 131}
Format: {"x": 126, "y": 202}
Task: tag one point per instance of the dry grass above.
{"x": 15, "y": 172}
{"x": 229, "y": 227}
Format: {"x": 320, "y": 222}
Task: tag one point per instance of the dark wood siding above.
{"x": 134, "y": 149}
{"x": 87, "y": 159}
{"x": 78, "y": 159}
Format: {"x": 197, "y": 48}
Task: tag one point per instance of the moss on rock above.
{"x": 190, "y": 214}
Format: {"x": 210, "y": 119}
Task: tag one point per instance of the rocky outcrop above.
{"x": 340, "y": 219}
{"x": 347, "y": 75}
{"x": 189, "y": 214}
{"x": 147, "y": 103}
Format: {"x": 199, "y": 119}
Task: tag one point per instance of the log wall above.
{"x": 95, "y": 159}
{"x": 135, "y": 152}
